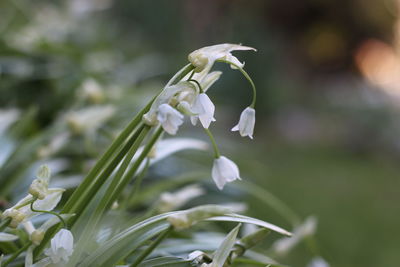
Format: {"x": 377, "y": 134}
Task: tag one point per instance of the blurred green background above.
{"x": 327, "y": 134}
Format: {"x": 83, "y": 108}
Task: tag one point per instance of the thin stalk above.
{"x": 152, "y": 246}
{"x": 49, "y": 212}
{"x": 16, "y": 254}
{"x": 247, "y": 76}
{"x": 198, "y": 85}
{"x": 180, "y": 74}
{"x": 217, "y": 154}
{"x": 136, "y": 186}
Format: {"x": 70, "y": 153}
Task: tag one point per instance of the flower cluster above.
{"x": 189, "y": 97}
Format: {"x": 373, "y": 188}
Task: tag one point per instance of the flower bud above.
{"x": 198, "y": 60}
{"x": 39, "y": 188}
{"x": 37, "y": 236}
{"x": 16, "y": 217}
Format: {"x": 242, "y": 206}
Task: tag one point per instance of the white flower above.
{"x": 169, "y": 118}
{"x": 181, "y": 90}
{"x": 206, "y": 56}
{"x": 61, "y": 247}
{"x": 204, "y": 108}
{"x": 246, "y": 122}
{"x": 224, "y": 171}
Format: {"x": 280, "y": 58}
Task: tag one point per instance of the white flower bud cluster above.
{"x": 44, "y": 198}
{"x": 16, "y": 217}
{"x": 188, "y": 97}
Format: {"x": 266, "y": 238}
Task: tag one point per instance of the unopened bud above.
{"x": 198, "y": 60}
{"x": 44, "y": 173}
{"x": 16, "y": 217}
{"x": 150, "y": 119}
{"x": 37, "y": 236}
{"x": 39, "y": 188}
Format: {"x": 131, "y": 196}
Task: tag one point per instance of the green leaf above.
{"x": 222, "y": 253}
{"x": 244, "y": 219}
{"x": 165, "y": 261}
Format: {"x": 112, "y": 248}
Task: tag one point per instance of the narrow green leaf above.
{"x": 222, "y": 253}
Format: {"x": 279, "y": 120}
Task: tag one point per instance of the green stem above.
{"x": 180, "y": 74}
{"x": 6, "y": 222}
{"x": 80, "y": 190}
{"x": 49, "y": 212}
{"x": 106, "y": 201}
{"x": 191, "y": 75}
{"x": 152, "y": 246}
{"x": 214, "y": 144}
{"x": 198, "y": 84}
{"x": 247, "y": 76}
{"x": 136, "y": 187}
{"x": 16, "y": 254}
{"x": 27, "y": 202}
{"x": 125, "y": 180}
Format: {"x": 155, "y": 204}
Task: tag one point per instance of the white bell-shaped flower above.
{"x": 61, "y": 247}
{"x": 169, "y": 118}
{"x": 206, "y": 56}
{"x": 204, "y": 108}
{"x": 224, "y": 171}
{"x": 246, "y": 122}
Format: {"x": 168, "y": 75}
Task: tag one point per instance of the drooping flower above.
{"x": 61, "y": 247}
{"x": 206, "y": 56}
{"x": 224, "y": 171}
{"x": 246, "y": 122}
{"x": 181, "y": 90}
{"x": 169, "y": 118}
{"x": 204, "y": 108}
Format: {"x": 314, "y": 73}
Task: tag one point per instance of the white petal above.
{"x": 4, "y": 237}
{"x": 224, "y": 170}
{"x": 246, "y": 122}
{"x": 169, "y": 118}
{"x": 205, "y": 57}
{"x": 48, "y": 203}
{"x": 61, "y": 247}
{"x": 205, "y": 109}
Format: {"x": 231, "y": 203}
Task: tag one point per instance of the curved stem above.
{"x": 214, "y": 144}
{"x": 198, "y": 84}
{"x": 247, "y": 76}
{"x": 49, "y": 212}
